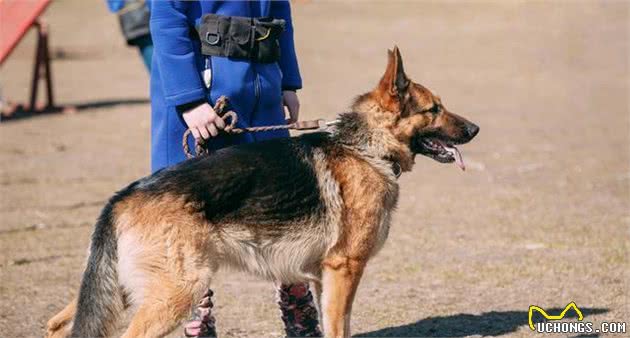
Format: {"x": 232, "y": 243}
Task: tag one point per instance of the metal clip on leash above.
{"x": 230, "y": 128}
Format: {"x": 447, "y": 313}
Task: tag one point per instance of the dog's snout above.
{"x": 472, "y": 129}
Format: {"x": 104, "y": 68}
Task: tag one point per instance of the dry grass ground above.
{"x": 541, "y": 216}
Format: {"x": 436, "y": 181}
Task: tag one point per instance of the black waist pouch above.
{"x": 134, "y": 21}
{"x": 254, "y": 39}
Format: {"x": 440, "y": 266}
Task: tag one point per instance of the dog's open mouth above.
{"x": 441, "y": 151}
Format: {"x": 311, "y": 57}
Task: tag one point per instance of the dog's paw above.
{"x": 57, "y": 328}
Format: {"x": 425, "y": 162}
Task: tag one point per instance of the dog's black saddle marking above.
{"x": 266, "y": 183}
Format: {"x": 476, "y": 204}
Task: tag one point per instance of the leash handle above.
{"x": 200, "y": 148}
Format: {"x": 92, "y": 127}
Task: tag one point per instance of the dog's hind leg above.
{"x": 340, "y": 279}
{"x": 59, "y": 325}
{"x": 167, "y": 256}
{"x": 166, "y": 302}
{"x": 165, "y": 278}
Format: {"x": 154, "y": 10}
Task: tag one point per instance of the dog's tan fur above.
{"x": 168, "y": 251}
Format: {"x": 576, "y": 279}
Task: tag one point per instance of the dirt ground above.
{"x": 540, "y": 217}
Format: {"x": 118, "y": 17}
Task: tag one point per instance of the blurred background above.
{"x": 540, "y": 217}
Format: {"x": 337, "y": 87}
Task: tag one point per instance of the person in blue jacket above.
{"x": 143, "y": 42}
{"x": 184, "y": 86}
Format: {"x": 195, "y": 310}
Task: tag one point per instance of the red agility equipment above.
{"x": 16, "y": 17}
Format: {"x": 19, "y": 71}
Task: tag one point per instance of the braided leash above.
{"x": 230, "y": 128}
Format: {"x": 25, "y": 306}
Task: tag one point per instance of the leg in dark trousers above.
{"x": 202, "y": 323}
{"x": 299, "y": 313}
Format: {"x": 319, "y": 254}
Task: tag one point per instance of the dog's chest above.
{"x": 382, "y": 230}
{"x": 369, "y": 191}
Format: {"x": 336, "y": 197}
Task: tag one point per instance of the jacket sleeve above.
{"x": 173, "y": 50}
{"x": 115, "y": 5}
{"x": 291, "y": 78}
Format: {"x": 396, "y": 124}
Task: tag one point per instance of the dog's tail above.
{"x": 100, "y": 300}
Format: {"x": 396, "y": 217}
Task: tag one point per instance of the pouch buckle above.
{"x": 216, "y": 40}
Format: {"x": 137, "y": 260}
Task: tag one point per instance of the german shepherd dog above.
{"x": 313, "y": 208}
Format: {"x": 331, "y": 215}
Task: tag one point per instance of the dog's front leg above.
{"x": 317, "y": 297}
{"x": 340, "y": 279}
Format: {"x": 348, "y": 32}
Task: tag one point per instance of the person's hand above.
{"x": 291, "y": 101}
{"x": 203, "y": 121}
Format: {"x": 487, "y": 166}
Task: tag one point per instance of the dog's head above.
{"x": 416, "y": 117}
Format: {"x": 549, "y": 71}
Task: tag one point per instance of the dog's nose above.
{"x": 472, "y": 129}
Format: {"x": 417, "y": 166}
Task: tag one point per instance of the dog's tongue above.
{"x": 457, "y": 155}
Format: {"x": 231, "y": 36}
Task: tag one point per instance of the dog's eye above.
{"x": 435, "y": 109}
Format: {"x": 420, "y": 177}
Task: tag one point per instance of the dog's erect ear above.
{"x": 394, "y": 81}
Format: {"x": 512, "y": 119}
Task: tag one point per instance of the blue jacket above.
{"x": 254, "y": 89}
